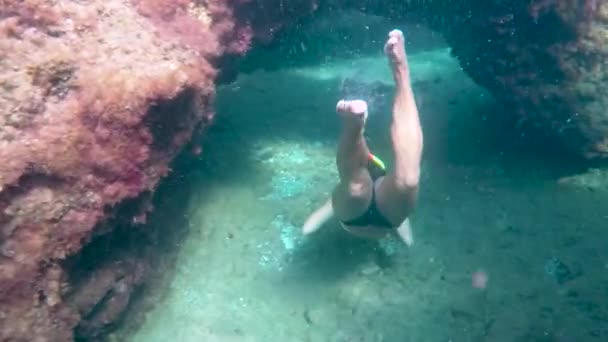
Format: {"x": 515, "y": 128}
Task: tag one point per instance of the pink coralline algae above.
{"x": 209, "y": 27}
{"x": 94, "y": 104}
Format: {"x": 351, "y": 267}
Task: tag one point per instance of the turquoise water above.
{"x": 490, "y": 203}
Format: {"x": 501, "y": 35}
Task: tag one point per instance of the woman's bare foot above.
{"x": 353, "y": 111}
{"x": 395, "y": 50}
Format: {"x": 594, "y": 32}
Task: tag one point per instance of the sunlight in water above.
{"x": 425, "y": 65}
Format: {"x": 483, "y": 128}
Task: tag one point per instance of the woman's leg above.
{"x": 396, "y": 192}
{"x": 353, "y": 194}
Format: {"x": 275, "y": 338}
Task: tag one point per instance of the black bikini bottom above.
{"x": 371, "y": 217}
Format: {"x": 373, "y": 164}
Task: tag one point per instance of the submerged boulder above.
{"x": 95, "y": 101}
{"x": 546, "y": 59}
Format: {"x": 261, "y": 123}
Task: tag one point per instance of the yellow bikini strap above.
{"x": 376, "y": 161}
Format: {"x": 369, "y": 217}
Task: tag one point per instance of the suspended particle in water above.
{"x": 479, "y": 279}
{"x": 197, "y": 150}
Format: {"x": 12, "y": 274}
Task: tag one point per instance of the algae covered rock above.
{"x": 94, "y": 104}
{"x": 545, "y": 59}
{"x": 96, "y": 99}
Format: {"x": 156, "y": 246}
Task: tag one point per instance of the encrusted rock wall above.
{"x": 94, "y": 104}
{"x": 545, "y": 59}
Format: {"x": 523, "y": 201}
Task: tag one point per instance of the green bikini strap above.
{"x": 376, "y": 161}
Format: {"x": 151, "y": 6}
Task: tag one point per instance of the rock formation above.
{"x": 94, "y": 104}
{"x": 545, "y": 59}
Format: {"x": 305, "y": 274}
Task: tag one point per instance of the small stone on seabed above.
{"x": 479, "y": 280}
